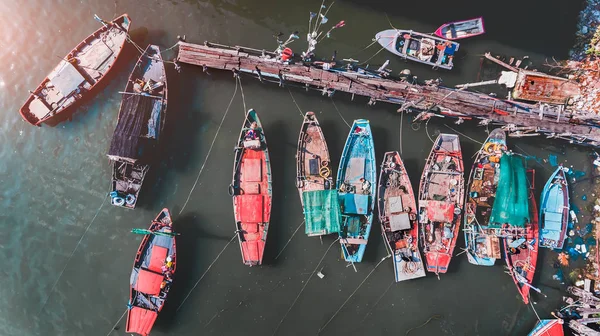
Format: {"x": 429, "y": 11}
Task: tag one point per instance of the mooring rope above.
{"x": 294, "y": 100}
{"x": 340, "y": 113}
{"x": 289, "y": 240}
{"x": 210, "y": 149}
{"x": 119, "y": 321}
{"x": 239, "y": 79}
{"x": 303, "y": 287}
{"x": 479, "y": 142}
{"x": 208, "y": 269}
{"x": 401, "y": 120}
{"x": 351, "y": 295}
{"x": 72, "y": 254}
{"x": 377, "y": 302}
{"x": 427, "y": 131}
{"x": 434, "y": 317}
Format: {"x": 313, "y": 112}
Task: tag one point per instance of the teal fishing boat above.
{"x": 554, "y": 210}
{"x": 314, "y": 181}
{"x": 356, "y": 184}
{"x": 481, "y": 248}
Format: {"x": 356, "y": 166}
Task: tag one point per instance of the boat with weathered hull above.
{"x": 534, "y": 86}
{"x": 482, "y": 248}
{"x": 314, "y": 181}
{"x": 441, "y": 196}
{"x": 521, "y": 242}
{"x": 139, "y": 127}
{"x": 398, "y": 218}
{"x": 252, "y": 190}
{"x": 356, "y": 178}
{"x": 151, "y": 277}
{"x": 554, "y": 210}
{"x": 78, "y": 74}
{"x": 419, "y": 47}
{"x": 461, "y": 29}
{"x": 548, "y": 328}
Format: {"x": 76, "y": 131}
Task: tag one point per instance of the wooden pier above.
{"x": 518, "y": 118}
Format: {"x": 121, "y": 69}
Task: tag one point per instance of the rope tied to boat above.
{"x": 73, "y": 253}
{"x": 304, "y": 287}
{"x": 351, "y": 295}
{"x": 210, "y": 148}
{"x": 208, "y": 269}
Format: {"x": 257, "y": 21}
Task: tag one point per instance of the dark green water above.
{"x": 54, "y": 179}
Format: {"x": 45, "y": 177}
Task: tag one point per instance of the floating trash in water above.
{"x": 563, "y": 259}
{"x": 573, "y": 216}
{"x": 553, "y": 160}
{"x": 584, "y": 197}
{"x": 320, "y": 275}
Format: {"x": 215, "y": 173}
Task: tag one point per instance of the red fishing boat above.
{"x": 251, "y": 190}
{"x": 461, "y": 29}
{"x": 441, "y": 196}
{"x": 548, "y": 328}
{"x": 150, "y": 280}
{"x": 521, "y": 248}
{"x": 76, "y": 76}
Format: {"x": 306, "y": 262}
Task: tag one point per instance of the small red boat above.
{"x": 521, "y": 248}
{"x": 76, "y": 76}
{"x": 150, "y": 280}
{"x": 441, "y": 197}
{"x": 548, "y": 328}
{"x": 251, "y": 190}
{"x": 461, "y": 29}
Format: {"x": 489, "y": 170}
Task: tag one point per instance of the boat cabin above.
{"x": 426, "y": 49}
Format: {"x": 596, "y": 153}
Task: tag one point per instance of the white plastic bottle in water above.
{"x": 573, "y": 216}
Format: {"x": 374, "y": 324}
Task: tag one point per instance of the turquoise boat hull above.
{"x": 357, "y": 183}
{"x": 554, "y": 211}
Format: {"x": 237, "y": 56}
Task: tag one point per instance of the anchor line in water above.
{"x": 208, "y": 269}
{"x": 401, "y": 121}
{"x": 289, "y": 240}
{"x": 340, "y": 113}
{"x": 351, "y": 295}
{"x": 304, "y": 287}
{"x": 72, "y": 254}
{"x": 294, "y": 100}
{"x": 379, "y": 299}
{"x": 239, "y": 79}
{"x": 119, "y": 321}
{"x": 210, "y": 149}
{"x": 479, "y": 142}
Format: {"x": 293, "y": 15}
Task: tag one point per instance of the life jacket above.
{"x": 286, "y": 54}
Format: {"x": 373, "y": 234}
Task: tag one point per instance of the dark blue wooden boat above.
{"x": 554, "y": 210}
{"x": 357, "y": 183}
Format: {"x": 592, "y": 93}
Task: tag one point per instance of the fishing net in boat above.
{"x": 321, "y": 212}
{"x": 511, "y": 205}
{"x": 132, "y": 134}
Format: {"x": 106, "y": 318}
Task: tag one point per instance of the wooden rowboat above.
{"x": 483, "y": 249}
{"x": 355, "y": 182}
{"x": 461, "y": 29}
{"x": 398, "y": 218}
{"x": 78, "y": 74}
{"x": 521, "y": 249}
{"x": 554, "y": 210}
{"x": 441, "y": 195}
{"x": 251, "y": 190}
{"x": 314, "y": 182}
{"x": 419, "y": 47}
{"x": 140, "y": 124}
{"x": 150, "y": 281}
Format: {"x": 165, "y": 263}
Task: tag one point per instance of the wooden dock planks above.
{"x": 524, "y": 119}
